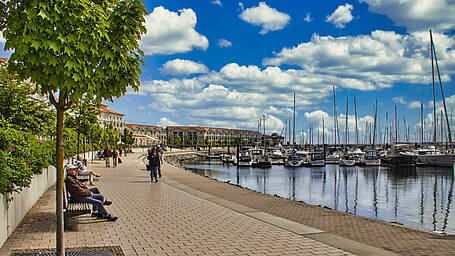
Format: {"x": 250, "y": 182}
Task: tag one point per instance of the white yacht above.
{"x": 433, "y": 157}
{"x": 316, "y": 159}
{"x": 371, "y": 158}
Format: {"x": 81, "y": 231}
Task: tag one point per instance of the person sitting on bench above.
{"x": 80, "y": 193}
{"x": 84, "y": 171}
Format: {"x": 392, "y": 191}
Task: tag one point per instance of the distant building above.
{"x": 196, "y": 135}
{"x": 108, "y": 116}
{"x": 147, "y": 135}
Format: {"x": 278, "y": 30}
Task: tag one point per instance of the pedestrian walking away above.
{"x": 107, "y": 155}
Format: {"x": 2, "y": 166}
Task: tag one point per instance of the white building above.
{"x": 108, "y": 116}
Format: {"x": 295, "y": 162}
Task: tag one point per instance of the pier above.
{"x": 186, "y": 214}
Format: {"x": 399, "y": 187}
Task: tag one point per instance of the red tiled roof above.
{"x": 104, "y": 109}
{"x": 142, "y": 126}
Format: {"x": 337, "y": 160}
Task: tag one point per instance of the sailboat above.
{"x": 348, "y": 158}
{"x": 431, "y": 156}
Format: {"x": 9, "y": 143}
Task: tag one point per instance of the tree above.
{"x": 71, "y": 48}
{"x": 110, "y": 136}
{"x": 85, "y": 115}
{"x": 22, "y": 111}
{"x": 127, "y": 137}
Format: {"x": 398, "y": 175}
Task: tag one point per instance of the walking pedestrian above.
{"x": 114, "y": 157}
{"x": 154, "y": 164}
{"x": 160, "y": 154}
{"x": 107, "y": 155}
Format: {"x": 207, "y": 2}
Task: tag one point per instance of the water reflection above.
{"x": 417, "y": 197}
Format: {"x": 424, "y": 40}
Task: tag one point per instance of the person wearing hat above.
{"x": 80, "y": 193}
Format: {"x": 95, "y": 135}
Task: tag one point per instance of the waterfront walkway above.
{"x": 186, "y": 214}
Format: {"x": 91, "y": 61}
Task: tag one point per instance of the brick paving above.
{"x": 161, "y": 219}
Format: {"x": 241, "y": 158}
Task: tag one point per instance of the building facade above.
{"x": 196, "y": 135}
{"x": 111, "y": 117}
{"x": 147, "y": 135}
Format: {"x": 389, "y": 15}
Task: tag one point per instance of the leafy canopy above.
{"x": 20, "y": 109}
{"x": 76, "y": 46}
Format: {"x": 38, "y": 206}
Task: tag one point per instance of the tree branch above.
{"x": 52, "y": 99}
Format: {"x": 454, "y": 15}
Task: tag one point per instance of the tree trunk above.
{"x": 77, "y": 148}
{"x": 59, "y": 186}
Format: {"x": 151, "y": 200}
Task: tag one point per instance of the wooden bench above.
{"x": 72, "y": 209}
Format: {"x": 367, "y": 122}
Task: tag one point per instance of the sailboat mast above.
{"x": 449, "y": 134}
{"x": 293, "y": 129}
{"x": 263, "y": 115}
{"x": 346, "y": 126}
{"x": 356, "y": 130}
{"x": 396, "y": 126}
{"x": 334, "y": 119}
{"x": 434, "y": 99}
{"x": 374, "y": 124}
{"x": 421, "y": 123}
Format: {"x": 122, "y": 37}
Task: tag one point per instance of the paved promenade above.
{"x": 186, "y": 214}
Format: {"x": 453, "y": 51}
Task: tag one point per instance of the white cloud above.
{"x": 141, "y": 107}
{"x": 341, "y": 16}
{"x": 217, "y": 2}
{"x": 417, "y": 14}
{"x": 414, "y": 104}
{"x": 170, "y": 32}
{"x": 183, "y": 67}
{"x": 241, "y": 6}
{"x": 165, "y": 121}
{"x": 268, "y": 18}
{"x": 2, "y": 39}
{"x": 399, "y": 99}
{"x": 369, "y": 62}
{"x": 308, "y": 18}
{"x": 224, "y": 43}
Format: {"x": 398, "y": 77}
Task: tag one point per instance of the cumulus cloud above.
{"x": 165, "y": 121}
{"x": 417, "y": 14}
{"x": 268, "y": 18}
{"x": 399, "y": 99}
{"x": 241, "y": 6}
{"x": 2, "y": 39}
{"x": 217, "y": 2}
{"x": 341, "y": 16}
{"x": 141, "y": 107}
{"x": 414, "y": 104}
{"x": 410, "y": 104}
{"x": 183, "y": 67}
{"x": 170, "y": 32}
{"x": 224, "y": 43}
{"x": 308, "y": 18}
{"x": 369, "y": 62}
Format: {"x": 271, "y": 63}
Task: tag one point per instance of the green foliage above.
{"x": 110, "y": 136}
{"x": 76, "y": 47}
{"x": 22, "y": 155}
{"x": 84, "y": 115}
{"x": 127, "y": 137}
{"x": 20, "y": 109}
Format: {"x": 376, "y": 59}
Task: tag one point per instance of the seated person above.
{"x": 80, "y": 193}
{"x": 84, "y": 171}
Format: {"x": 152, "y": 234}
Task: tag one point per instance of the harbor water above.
{"x": 420, "y": 197}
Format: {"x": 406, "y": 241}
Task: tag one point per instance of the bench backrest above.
{"x": 66, "y": 196}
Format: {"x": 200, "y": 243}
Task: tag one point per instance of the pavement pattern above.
{"x": 187, "y": 214}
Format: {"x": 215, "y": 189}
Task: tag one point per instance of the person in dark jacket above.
{"x": 80, "y": 193}
{"x": 107, "y": 155}
{"x": 154, "y": 163}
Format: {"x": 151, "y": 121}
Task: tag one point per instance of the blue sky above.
{"x": 226, "y": 63}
